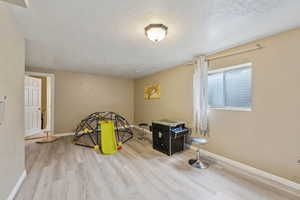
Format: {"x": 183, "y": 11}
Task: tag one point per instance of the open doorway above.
{"x": 38, "y": 104}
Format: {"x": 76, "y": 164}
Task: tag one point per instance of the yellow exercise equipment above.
{"x": 86, "y": 130}
{"x": 96, "y": 147}
{"x": 108, "y": 137}
{"x": 113, "y": 129}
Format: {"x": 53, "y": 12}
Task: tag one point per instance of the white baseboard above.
{"x": 252, "y": 170}
{"x": 18, "y": 185}
{"x": 63, "y": 134}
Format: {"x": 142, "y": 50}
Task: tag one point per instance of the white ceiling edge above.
{"x": 256, "y": 39}
{"x": 29, "y": 68}
{"x": 22, "y": 3}
{"x": 75, "y": 41}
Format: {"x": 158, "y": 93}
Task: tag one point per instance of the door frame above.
{"x": 32, "y": 108}
{"x": 51, "y": 93}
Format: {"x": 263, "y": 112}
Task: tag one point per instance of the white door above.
{"x": 32, "y": 105}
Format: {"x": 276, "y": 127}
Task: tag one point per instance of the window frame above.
{"x": 230, "y": 68}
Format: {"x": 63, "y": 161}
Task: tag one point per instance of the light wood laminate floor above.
{"x": 61, "y": 170}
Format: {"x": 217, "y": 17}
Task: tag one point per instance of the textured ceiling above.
{"x": 107, "y": 36}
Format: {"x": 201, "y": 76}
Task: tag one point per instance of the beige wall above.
{"x": 176, "y": 96}
{"x": 78, "y": 95}
{"x": 268, "y": 137}
{"x": 12, "y": 63}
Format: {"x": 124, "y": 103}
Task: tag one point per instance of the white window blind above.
{"x": 215, "y": 90}
{"x": 230, "y": 87}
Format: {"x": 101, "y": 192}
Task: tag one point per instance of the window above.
{"x": 230, "y": 88}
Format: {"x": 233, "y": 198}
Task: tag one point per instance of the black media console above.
{"x": 168, "y": 136}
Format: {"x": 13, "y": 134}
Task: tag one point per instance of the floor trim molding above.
{"x": 63, "y": 134}
{"x": 252, "y": 170}
{"x": 17, "y": 187}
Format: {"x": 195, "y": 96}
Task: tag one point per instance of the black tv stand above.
{"x": 169, "y": 136}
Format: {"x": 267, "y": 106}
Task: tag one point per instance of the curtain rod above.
{"x": 257, "y": 47}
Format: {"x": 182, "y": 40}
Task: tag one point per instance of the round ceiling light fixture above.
{"x": 156, "y": 32}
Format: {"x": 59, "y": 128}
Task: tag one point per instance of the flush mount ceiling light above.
{"x": 156, "y": 32}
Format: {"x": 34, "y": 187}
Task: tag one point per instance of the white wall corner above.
{"x": 17, "y": 187}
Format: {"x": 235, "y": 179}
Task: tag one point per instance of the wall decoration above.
{"x": 152, "y": 91}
